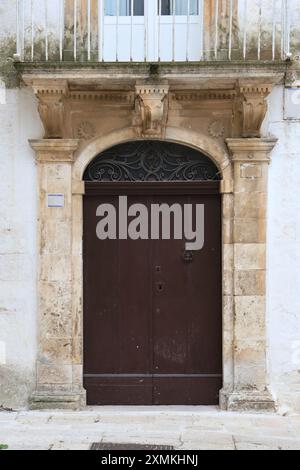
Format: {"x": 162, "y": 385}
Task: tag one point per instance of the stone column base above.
{"x": 60, "y": 401}
{"x": 223, "y": 399}
{"x": 251, "y": 401}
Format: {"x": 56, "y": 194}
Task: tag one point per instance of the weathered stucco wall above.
{"x": 284, "y": 254}
{"x": 19, "y": 119}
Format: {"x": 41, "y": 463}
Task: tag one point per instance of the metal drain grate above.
{"x": 113, "y": 447}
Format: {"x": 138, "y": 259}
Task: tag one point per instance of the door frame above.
{"x": 244, "y": 172}
{"x": 215, "y": 151}
{"x": 145, "y": 188}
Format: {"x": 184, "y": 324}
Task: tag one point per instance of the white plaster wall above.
{"x": 19, "y": 121}
{"x": 8, "y": 9}
{"x": 7, "y": 18}
{"x": 283, "y": 278}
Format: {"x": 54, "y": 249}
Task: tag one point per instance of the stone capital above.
{"x": 54, "y": 150}
{"x": 253, "y": 105}
{"x": 51, "y": 95}
{"x": 251, "y": 150}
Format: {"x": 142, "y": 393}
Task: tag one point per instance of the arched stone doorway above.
{"x": 152, "y": 306}
{"x": 60, "y": 306}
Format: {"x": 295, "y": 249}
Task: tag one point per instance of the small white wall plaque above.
{"x": 56, "y": 200}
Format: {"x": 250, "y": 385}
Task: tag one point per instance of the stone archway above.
{"x": 244, "y": 189}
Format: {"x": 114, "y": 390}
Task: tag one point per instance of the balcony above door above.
{"x": 156, "y": 30}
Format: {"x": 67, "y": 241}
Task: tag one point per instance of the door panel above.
{"x": 117, "y": 320}
{"x": 152, "y": 317}
{"x": 187, "y": 321}
{"x": 185, "y": 390}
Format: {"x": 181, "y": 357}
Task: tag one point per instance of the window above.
{"x": 181, "y": 7}
{"x": 124, "y": 7}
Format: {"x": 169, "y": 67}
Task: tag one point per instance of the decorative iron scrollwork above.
{"x": 151, "y": 161}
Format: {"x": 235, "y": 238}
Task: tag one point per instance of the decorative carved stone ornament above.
{"x": 151, "y": 109}
{"x": 216, "y": 129}
{"x": 253, "y": 107}
{"x": 86, "y": 130}
{"x": 51, "y": 94}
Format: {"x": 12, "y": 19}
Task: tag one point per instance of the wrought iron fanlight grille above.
{"x": 147, "y": 161}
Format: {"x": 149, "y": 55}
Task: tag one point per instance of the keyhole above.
{"x": 160, "y": 287}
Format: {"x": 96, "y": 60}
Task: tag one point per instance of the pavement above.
{"x": 184, "y": 428}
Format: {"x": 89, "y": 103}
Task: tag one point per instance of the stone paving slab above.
{"x": 194, "y": 428}
{"x": 266, "y": 443}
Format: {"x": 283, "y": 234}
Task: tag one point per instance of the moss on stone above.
{"x": 8, "y": 72}
{"x": 153, "y": 69}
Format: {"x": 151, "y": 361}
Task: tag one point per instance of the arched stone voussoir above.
{"x": 204, "y": 144}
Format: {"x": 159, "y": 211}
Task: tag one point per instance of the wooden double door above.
{"x": 152, "y": 310}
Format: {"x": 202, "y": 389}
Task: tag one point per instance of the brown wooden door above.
{"x": 152, "y": 315}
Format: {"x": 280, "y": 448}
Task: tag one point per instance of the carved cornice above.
{"x": 106, "y": 98}
{"x": 151, "y": 109}
{"x": 51, "y": 95}
{"x": 251, "y": 150}
{"x": 55, "y": 150}
{"x": 244, "y": 100}
{"x": 204, "y": 95}
{"x": 54, "y": 87}
{"x": 253, "y": 106}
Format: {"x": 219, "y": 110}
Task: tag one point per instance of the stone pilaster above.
{"x": 57, "y": 365}
{"x": 227, "y": 282}
{"x": 251, "y": 159}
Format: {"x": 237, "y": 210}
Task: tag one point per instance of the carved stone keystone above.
{"x": 151, "y": 109}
